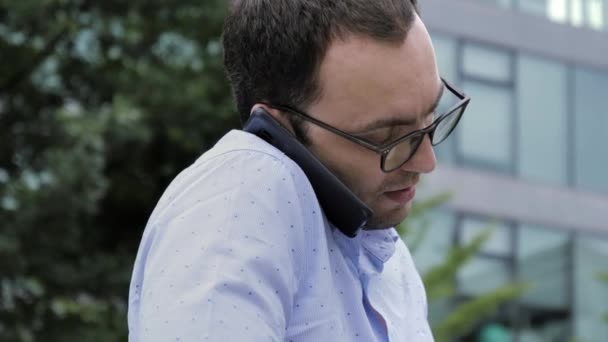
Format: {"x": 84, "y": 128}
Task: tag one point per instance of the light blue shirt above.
{"x": 238, "y": 249}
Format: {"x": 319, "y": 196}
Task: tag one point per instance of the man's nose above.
{"x": 423, "y": 161}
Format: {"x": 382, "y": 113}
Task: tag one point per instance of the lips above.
{"x": 402, "y": 196}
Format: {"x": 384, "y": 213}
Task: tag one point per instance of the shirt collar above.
{"x": 350, "y": 246}
{"x": 378, "y": 244}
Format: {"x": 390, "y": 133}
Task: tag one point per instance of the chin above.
{"x": 388, "y": 218}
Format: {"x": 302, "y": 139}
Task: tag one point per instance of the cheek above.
{"x": 356, "y": 166}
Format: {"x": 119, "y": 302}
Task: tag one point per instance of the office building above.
{"x": 529, "y": 158}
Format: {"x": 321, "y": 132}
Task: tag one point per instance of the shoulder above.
{"x": 241, "y": 187}
{"x": 243, "y": 160}
{"x": 239, "y": 166}
{"x": 232, "y": 223}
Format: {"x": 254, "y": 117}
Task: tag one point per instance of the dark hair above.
{"x": 273, "y": 48}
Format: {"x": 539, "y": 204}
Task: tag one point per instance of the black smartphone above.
{"x": 342, "y": 208}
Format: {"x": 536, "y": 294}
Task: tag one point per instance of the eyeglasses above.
{"x": 398, "y": 152}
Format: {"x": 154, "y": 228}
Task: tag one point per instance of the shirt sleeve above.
{"x": 217, "y": 263}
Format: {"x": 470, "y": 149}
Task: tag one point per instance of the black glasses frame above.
{"x": 385, "y": 149}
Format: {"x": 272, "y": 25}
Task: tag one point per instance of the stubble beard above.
{"x": 372, "y": 199}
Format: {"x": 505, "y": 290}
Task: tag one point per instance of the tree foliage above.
{"x": 439, "y": 280}
{"x": 101, "y": 104}
{"x": 604, "y": 277}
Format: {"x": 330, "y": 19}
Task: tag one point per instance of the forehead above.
{"x": 363, "y": 80}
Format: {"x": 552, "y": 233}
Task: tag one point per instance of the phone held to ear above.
{"x": 342, "y": 208}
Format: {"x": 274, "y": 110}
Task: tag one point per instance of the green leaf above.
{"x": 603, "y": 276}
{"x": 465, "y": 316}
{"x": 8, "y": 244}
{"x": 436, "y": 278}
{"x": 25, "y": 334}
{"x": 34, "y": 286}
{"x": 420, "y": 209}
{"x": 60, "y": 307}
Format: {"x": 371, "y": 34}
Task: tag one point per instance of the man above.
{"x": 239, "y": 248}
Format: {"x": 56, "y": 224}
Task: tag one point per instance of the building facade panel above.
{"x": 530, "y": 159}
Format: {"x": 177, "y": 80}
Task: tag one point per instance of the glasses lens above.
{"x": 447, "y": 125}
{"x": 401, "y": 152}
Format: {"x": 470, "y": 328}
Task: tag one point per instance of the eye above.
{"x": 378, "y": 137}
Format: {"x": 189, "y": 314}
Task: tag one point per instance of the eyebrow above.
{"x": 389, "y": 122}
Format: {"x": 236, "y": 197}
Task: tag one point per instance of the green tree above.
{"x": 101, "y": 104}
{"x": 604, "y": 277}
{"x": 439, "y": 280}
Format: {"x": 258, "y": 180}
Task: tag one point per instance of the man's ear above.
{"x": 276, "y": 114}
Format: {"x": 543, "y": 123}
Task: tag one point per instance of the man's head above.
{"x": 365, "y": 67}
{"x": 273, "y": 49}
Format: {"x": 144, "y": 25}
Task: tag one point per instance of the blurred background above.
{"x": 528, "y": 159}
{"x": 102, "y": 103}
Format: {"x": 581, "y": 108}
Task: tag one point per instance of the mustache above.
{"x": 405, "y": 179}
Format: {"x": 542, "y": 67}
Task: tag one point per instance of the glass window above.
{"x": 590, "y": 294}
{"x": 481, "y": 275}
{"x": 534, "y": 239}
{"x": 501, "y": 3}
{"x": 588, "y": 13}
{"x": 431, "y": 250}
{"x": 555, "y": 10}
{"x": 595, "y": 13}
{"x": 542, "y": 107}
{"x": 591, "y": 127}
{"x": 436, "y": 239}
{"x": 557, "y": 330}
{"x": 576, "y": 12}
{"x": 605, "y": 15}
{"x": 486, "y": 63}
{"x": 499, "y": 243}
{"x": 446, "y": 51}
{"x": 484, "y": 132}
{"x": 489, "y": 270}
{"x": 542, "y": 259}
{"x": 536, "y": 7}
